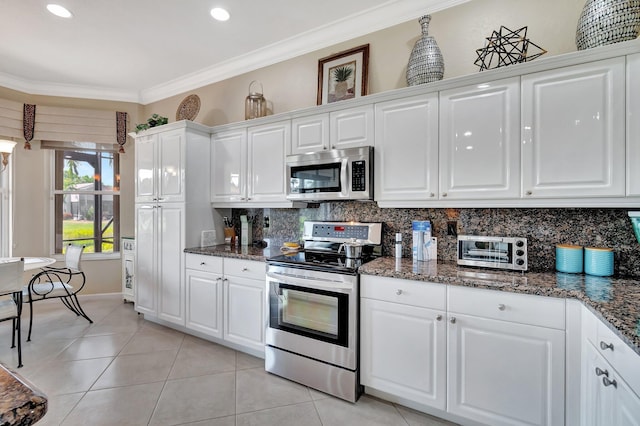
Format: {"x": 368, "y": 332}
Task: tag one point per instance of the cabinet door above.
{"x": 406, "y": 151}
{"x": 633, "y": 125}
{"x": 310, "y": 134}
{"x": 145, "y": 168}
{"x": 573, "y": 131}
{"x": 228, "y": 166}
{"x": 204, "y": 302}
{"x": 351, "y": 127}
{"x": 171, "y": 166}
{"x": 267, "y": 147}
{"x": 480, "y": 141}
{"x": 403, "y": 351}
{"x": 606, "y": 398}
{"x": 146, "y": 283}
{"x": 503, "y": 373}
{"x": 244, "y": 310}
{"x": 170, "y": 237}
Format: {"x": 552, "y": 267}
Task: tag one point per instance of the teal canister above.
{"x": 569, "y": 258}
{"x": 598, "y": 261}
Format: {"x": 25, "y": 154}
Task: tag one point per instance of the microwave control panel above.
{"x": 358, "y": 175}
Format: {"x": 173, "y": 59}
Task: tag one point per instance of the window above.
{"x": 87, "y": 200}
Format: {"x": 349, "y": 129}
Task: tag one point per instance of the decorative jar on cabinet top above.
{"x": 255, "y": 105}
{"x": 425, "y": 63}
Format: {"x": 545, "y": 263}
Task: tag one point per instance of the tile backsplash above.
{"x": 543, "y": 228}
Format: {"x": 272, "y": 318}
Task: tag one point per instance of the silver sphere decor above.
{"x": 605, "y": 22}
{"x": 425, "y": 63}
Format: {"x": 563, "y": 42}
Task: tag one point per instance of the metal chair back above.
{"x": 72, "y": 257}
{"x": 11, "y": 276}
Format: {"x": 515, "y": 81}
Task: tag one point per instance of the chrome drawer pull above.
{"x": 202, "y": 263}
{"x": 602, "y": 372}
{"x": 452, "y": 320}
{"x": 608, "y": 382}
{"x": 439, "y": 318}
{"x": 398, "y": 292}
{"x": 604, "y": 346}
{"x": 501, "y": 307}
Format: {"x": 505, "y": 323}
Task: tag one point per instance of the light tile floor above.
{"x": 123, "y": 370}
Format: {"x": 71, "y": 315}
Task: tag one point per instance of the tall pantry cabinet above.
{"x": 172, "y": 208}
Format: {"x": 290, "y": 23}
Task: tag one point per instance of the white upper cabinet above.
{"x": 633, "y": 125}
{"x": 310, "y": 134}
{"x": 347, "y": 128}
{"x": 228, "y": 166}
{"x": 351, "y": 128}
{"x": 160, "y": 166}
{"x": 267, "y": 147}
{"x": 248, "y": 166}
{"x": 406, "y": 151}
{"x": 573, "y": 131}
{"x": 480, "y": 141}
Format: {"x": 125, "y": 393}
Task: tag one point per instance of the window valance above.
{"x": 63, "y": 125}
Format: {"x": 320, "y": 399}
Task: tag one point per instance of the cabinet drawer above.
{"x": 522, "y": 308}
{"x": 620, "y": 355}
{"x": 245, "y": 268}
{"x": 205, "y": 263}
{"x": 407, "y": 292}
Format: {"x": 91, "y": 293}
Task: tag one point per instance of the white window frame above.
{"x": 52, "y": 206}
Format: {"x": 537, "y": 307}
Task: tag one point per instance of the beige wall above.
{"x": 459, "y": 31}
{"x": 31, "y": 193}
{"x": 289, "y": 85}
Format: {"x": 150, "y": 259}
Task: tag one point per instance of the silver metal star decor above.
{"x": 507, "y": 47}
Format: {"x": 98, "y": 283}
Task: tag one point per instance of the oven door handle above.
{"x": 318, "y": 283}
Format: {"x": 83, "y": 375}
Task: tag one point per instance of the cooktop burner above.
{"x": 322, "y": 241}
{"x": 332, "y": 262}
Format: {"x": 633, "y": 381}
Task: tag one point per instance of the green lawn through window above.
{"x": 80, "y": 232}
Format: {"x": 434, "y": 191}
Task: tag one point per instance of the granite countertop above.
{"x": 238, "y": 252}
{"x": 616, "y": 300}
{"x": 20, "y": 402}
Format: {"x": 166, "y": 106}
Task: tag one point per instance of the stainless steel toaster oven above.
{"x": 493, "y": 252}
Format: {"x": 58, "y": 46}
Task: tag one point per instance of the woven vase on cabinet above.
{"x": 425, "y": 63}
{"x": 605, "y": 22}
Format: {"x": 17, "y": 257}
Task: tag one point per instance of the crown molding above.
{"x": 388, "y": 14}
{"x": 46, "y": 88}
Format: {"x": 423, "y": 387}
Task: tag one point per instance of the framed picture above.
{"x": 343, "y": 75}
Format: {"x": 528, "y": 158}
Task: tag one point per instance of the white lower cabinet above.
{"x": 244, "y": 303}
{"x": 490, "y": 357}
{"x": 610, "y": 376}
{"x": 225, "y": 300}
{"x": 503, "y": 373}
{"x": 204, "y": 294}
{"x": 607, "y": 398}
{"x": 418, "y": 374}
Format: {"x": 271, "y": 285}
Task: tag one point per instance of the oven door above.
{"x": 313, "y": 313}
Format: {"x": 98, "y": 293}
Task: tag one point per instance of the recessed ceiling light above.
{"x": 219, "y": 14}
{"x": 58, "y": 10}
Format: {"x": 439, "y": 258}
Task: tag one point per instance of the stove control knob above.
{"x": 520, "y": 262}
{"x": 519, "y": 243}
{"x": 519, "y": 252}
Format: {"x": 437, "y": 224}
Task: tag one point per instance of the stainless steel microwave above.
{"x": 493, "y": 252}
{"x": 336, "y": 174}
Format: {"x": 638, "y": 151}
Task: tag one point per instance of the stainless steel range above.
{"x": 313, "y": 299}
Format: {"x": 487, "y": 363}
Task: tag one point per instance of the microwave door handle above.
{"x": 317, "y": 283}
{"x": 344, "y": 177}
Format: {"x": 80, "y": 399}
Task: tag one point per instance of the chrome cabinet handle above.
{"x": 432, "y": 195}
{"x": 398, "y": 292}
{"x": 452, "y": 320}
{"x": 219, "y": 279}
{"x": 439, "y": 318}
{"x": 602, "y": 372}
{"x": 444, "y": 194}
{"x": 202, "y": 263}
{"x": 245, "y": 269}
{"x": 501, "y": 306}
{"x": 607, "y": 382}
{"x": 529, "y": 193}
{"x": 604, "y": 346}
{"x": 249, "y": 198}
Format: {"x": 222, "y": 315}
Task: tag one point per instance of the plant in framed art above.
{"x": 343, "y": 75}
